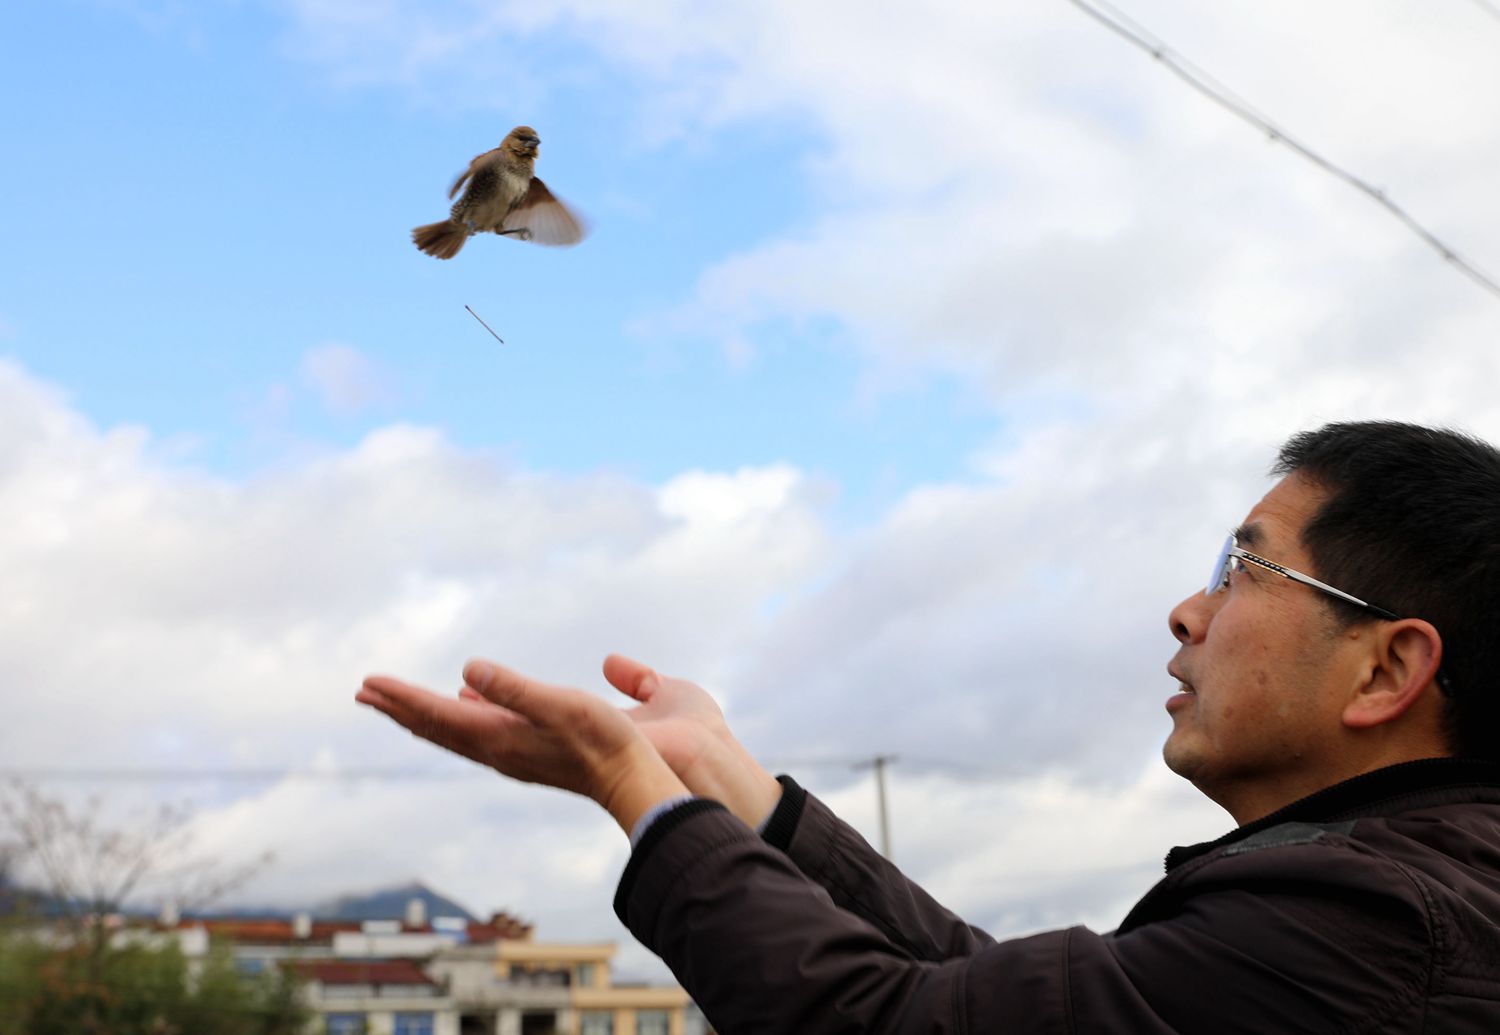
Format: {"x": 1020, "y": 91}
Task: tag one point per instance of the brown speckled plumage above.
{"x": 503, "y": 196}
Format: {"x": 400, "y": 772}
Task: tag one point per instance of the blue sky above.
{"x": 917, "y": 361}
{"x": 205, "y": 208}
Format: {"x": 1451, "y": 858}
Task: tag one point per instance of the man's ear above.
{"x": 1403, "y": 670}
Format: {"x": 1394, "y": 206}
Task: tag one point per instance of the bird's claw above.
{"x": 522, "y": 233}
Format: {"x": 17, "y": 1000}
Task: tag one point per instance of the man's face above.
{"x": 1265, "y": 672}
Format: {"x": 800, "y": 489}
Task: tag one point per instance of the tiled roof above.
{"x": 363, "y": 972}
{"x": 278, "y": 931}
{"x": 499, "y": 926}
{"x": 263, "y": 931}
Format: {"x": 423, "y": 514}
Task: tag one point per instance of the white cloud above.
{"x": 1016, "y": 194}
{"x": 159, "y": 618}
{"x": 345, "y": 380}
{"x": 242, "y": 615}
{"x": 1037, "y": 851}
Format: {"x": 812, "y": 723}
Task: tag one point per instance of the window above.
{"x": 597, "y": 1022}
{"x": 653, "y": 1022}
{"x": 586, "y": 975}
{"x": 413, "y": 1024}
{"x": 533, "y": 1023}
{"x": 346, "y": 1024}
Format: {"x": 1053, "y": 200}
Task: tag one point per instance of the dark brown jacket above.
{"x": 1371, "y": 906}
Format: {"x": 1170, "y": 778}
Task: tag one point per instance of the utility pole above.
{"x": 878, "y": 763}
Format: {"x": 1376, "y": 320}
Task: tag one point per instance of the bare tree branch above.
{"x": 91, "y": 868}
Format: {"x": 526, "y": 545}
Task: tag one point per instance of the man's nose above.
{"x": 1189, "y": 619}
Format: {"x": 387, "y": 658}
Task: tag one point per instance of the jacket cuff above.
{"x": 653, "y": 836}
{"x": 787, "y": 814}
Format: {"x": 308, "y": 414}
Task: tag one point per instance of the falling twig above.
{"x": 485, "y": 325}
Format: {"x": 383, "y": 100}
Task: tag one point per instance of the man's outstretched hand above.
{"x": 538, "y": 733}
{"x": 687, "y": 728}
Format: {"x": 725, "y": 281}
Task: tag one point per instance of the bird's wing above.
{"x": 453, "y": 190}
{"x": 483, "y": 186}
{"x": 548, "y": 220}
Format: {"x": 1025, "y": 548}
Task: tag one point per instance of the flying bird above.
{"x": 503, "y": 196}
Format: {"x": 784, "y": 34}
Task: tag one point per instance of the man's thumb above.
{"x": 630, "y": 677}
{"x": 500, "y": 685}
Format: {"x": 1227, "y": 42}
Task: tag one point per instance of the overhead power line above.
{"x": 1123, "y": 26}
{"x": 1489, "y": 9}
{"x": 951, "y": 768}
{"x": 232, "y": 775}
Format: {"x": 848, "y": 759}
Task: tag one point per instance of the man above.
{"x": 1338, "y": 698}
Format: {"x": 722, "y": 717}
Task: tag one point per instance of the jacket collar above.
{"x": 1397, "y": 788}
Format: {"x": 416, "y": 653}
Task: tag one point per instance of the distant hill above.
{"x": 20, "y": 899}
{"x": 381, "y": 904}
{"x": 389, "y": 904}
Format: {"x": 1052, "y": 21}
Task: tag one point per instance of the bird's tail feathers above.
{"x": 440, "y": 240}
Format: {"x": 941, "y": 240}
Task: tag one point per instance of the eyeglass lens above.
{"x": 1221, "y": 568}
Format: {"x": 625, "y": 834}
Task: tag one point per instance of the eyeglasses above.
{"x": 1232, "y": 555}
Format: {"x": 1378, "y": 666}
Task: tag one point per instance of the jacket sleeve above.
{"x": 834, "y": 856}
{"x": 762, "y": 948}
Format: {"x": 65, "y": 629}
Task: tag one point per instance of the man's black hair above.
{"x": 1412, "y": 523}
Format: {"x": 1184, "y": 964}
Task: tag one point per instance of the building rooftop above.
{"x": 262, "y": 930}
{"x": 363, "y": 972}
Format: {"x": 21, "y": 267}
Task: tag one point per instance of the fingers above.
{"x": 453, "y": 724}
{"x": 539, "y": 733}
{"x": 541, "y": 703}
{"x": 405, "y": 704}
{"x": 631, "y": 678}
{"x": 389, "y": 695}
{"x": 489, "y": 682}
